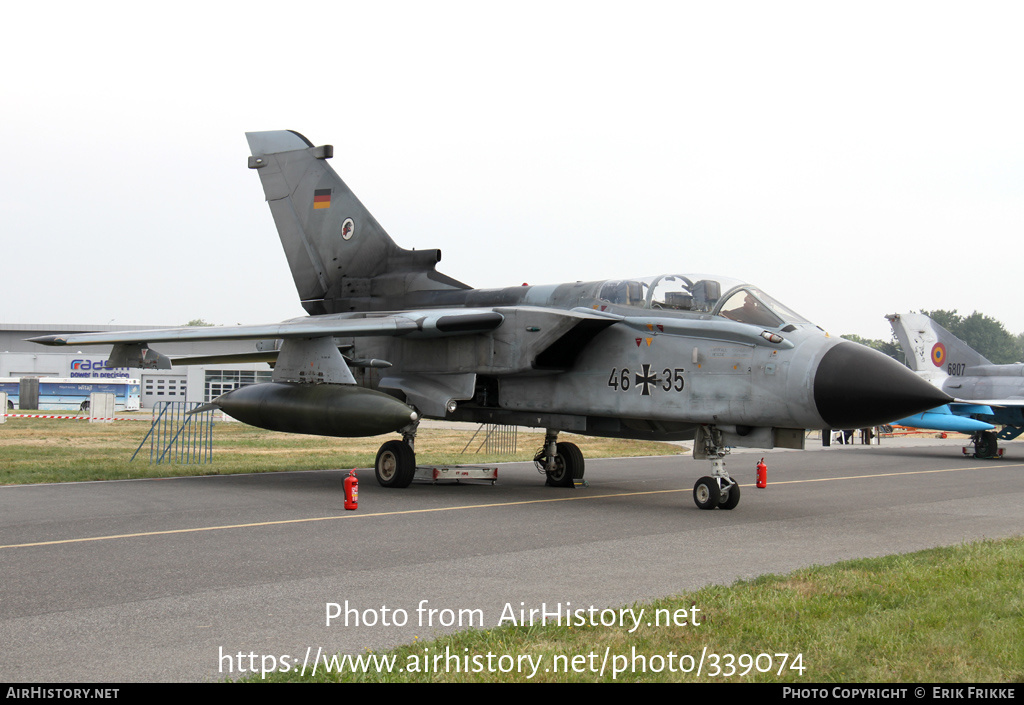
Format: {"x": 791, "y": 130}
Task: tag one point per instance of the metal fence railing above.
{"x": 499, "y": 439}
{"x": 179, "y": 434}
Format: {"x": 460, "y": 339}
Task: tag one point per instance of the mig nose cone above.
{"x": 857, "y": 387}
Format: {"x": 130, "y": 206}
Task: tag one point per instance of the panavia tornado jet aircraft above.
{"x": 985, "y": 394}
{"x": 390, "y": 340}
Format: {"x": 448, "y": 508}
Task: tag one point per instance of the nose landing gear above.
{"x": 718, "y": 489}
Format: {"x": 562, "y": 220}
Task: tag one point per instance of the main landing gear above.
{"x": 396, "y": 460}
{"x": 718, "y": 489}
{"x": 560, "y": 463}
{"x": 986, "y": 445}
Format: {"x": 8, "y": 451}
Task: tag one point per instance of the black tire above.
{"x": 706, "y": 494}
{"x": 395, "y": 465}
{"x": 568, "y": 466}
{"x": 575, "y": 458}
{"x": 986, "y": 446}
{"x": 733, "y": 498}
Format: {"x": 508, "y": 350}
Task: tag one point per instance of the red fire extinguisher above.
{"x": 762, "y": 474}
{"x": 351, "y": 490}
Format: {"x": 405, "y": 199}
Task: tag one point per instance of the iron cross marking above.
{"x": 646, "y": 379}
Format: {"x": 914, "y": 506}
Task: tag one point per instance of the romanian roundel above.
{"x": 939, "y": 354}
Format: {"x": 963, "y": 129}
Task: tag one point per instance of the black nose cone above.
{"x": 857, "y": 387}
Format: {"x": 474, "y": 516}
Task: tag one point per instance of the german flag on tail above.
{"x": 321, "y": 198}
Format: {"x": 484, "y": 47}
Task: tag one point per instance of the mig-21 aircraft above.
{"x": 985, "y": 393}
{"x": 390, "y": 340}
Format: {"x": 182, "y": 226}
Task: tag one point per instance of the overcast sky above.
{"x": 852, "y": 159}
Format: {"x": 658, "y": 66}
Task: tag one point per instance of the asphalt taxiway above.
{"x": 158, "y": 580}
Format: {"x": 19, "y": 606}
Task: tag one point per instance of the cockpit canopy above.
{"x": 698, "y": 293}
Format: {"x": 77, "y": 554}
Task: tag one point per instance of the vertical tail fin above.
{"x": 334, "y": 246}
{"x": 930, "y": 348}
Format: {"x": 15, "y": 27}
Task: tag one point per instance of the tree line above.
{"x": 983, "y": 333}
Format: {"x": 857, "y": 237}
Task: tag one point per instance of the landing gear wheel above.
{"x": 568, "y": 465}
{"x": 730, "y": 500}
{"x": 395, "y": 465}
{"x": 706, "y": 494}
{"x": 574, "y": 458}
{"x": 986, "y": 445}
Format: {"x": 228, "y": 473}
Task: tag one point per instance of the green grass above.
{"x": 57, "y": 450}
{"x": 946, "y": 615}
